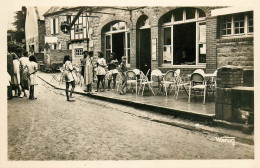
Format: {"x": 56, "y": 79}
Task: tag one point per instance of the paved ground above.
{"x": 50, "y": 128}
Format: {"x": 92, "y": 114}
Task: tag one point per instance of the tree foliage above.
{"x": 19, "y": 23}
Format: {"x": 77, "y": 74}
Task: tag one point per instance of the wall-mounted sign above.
{"x": 154, "y": 49}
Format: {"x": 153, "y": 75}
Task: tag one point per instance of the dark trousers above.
{"x": 9, "y": 92}
{"x": 101, "y": 79}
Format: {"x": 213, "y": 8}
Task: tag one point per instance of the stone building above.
{"x": 57, "y": 43}
{"x": 185, "y": 38}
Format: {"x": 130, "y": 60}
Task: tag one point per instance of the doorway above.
{"x": 118, "y": 41}
{"x": 145, "y": 50}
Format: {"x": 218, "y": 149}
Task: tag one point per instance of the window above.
{"x": 127, "y": 47}
{"x": 167, "y": 56}
{"x": 78, "y": 27}
{"x": 237, "y": 24}
{"x": 79, "y": 51}
{"x": 54, "y": 26}
{"x": 226, "y": 25}
{"x": 117, "y": 40}
{"x": 108, "y": 46}
{"x": 184, "y": 37}
{"x": 250, "y": 23}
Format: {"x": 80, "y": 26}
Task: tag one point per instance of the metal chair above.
{"x": 167, "y": 82}
{"x": 144, "y": 81}
{"x": 197, "y": 84}
{"x": 131, "y": 79}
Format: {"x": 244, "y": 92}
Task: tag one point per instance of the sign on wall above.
{"x": 154, "y": 49}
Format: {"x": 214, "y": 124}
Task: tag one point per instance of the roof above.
{"x": 40, "y": 12}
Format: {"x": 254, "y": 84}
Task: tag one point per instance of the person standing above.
{"x": 112, "y": 64}
{"x": 32, "y": 69}
{"x": 123, "y": 69}
{"x": 16, "y": 76}
{"x": 24, "y": 60}
{"x": 83, "y": 63}
{"x": 101, "y": 71}
{"x": 88, "y": 72}
{"x": 69, "y": 76}
{"x": 10, "y": 70}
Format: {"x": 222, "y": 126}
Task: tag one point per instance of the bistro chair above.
{"x": 144, "y": 82}
{"x": 197, "y": 85}
{"x": 118, "y": 82}
{"x": 131, "y": 79}
{"x": 167, "y": 82}
{"x": 212, "y": 83}
{"x": 200, "y": 71}
{"x": 78, "y": 76}
{"x": 179, "y": 84}
{"x": 156, "y": 76}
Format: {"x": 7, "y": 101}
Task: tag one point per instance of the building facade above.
{"x": 164, "y": 38}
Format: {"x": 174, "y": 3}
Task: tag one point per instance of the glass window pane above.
{"x": 108, "y": 45}
{"x": 167, "y": 36}
{"x": 229, "y": 25}
{"x": 178, "y": 15}
{"x": 236, "y": 31}
{"x": 251, "y": 29}
{"x": 190, "y": 13}
{"x": 128, "y": 56}
{"x": 229, "y": 31}
{"x": 108, "y": 53}
{"x": 201, "y": 13}
{"x": 202, "y": 53}
{"x": 242, "y": 30}
{"x": 237, "y": 24}
{"x": 167, "y": 18}
{"x": 128, "y": 40}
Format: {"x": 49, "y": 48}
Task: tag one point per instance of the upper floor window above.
{"x": 237, "y": 24}
{"x": 79, "y": 25}
{"x": 54, "y": 26}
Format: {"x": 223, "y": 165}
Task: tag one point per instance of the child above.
{"x": 123, "y": 69}
{"x": 69, "y": 76}
{"x": 32, "y": 69}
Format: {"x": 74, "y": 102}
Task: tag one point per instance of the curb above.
{"x": 204, "y": 119}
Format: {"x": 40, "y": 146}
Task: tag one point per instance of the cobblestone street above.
{"x": 50, "y": 128}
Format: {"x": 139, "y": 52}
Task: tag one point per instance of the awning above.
{"x": 231, "y": 10}
{"x": 51, "y": 40}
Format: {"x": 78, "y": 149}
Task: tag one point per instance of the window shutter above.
{"x": 51, "y": 26}
{"x": 57, "y": 25}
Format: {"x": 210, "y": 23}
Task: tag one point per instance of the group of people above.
{"x": 21, "y": 75}
{"x": 101, "y": 68}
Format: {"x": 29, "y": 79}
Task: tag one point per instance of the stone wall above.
{"x": 63, "y": 39}
{"x": 227, "y": 78}
{"x": 236, "y": 51}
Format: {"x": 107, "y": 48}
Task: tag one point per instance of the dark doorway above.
{"x": 145, "y": 50}
{"x": 184, "y": 44}
{"x": 118, "y": 45}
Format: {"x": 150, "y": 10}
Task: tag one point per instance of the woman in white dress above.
{"x": 32, "y": 67}
{"x": 101, "y": 71}
{"x": 16, "y": 76}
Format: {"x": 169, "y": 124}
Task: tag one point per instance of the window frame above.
{"x": 125, "y": 31}
{"x": 171, "y": 24}
{"x": 233, "y": 34}
{"x": 79, "y": 48}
